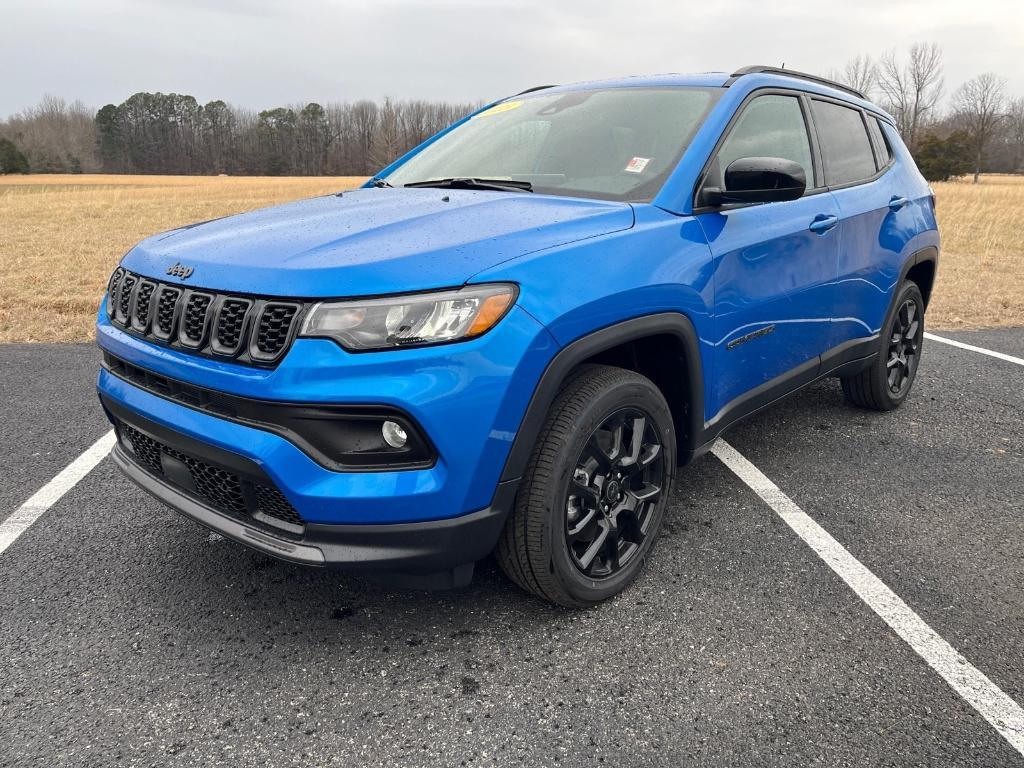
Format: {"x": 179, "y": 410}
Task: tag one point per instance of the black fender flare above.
{"x": 928, "y": 253}
{"x": 581, "y": 349}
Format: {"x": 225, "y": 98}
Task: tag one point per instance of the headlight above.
{"x": 411, "y": 320}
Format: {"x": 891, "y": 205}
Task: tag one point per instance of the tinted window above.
{"x": 881, "y": 144}
{"x": 844, "y": 143}
{"x": 770, "y": 126}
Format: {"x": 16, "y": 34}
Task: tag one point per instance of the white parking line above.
{"x": 49, "y": 494}
{"x": 1002, "y": 712}
{"x": 972, "y": 348}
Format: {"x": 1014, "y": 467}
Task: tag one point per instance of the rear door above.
{"x": 774, "y": 274}
{"x": 856, "y": 167}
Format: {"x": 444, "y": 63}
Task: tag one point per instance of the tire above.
{"x": 887, "y": 382}
{"x": 590, "y": 504}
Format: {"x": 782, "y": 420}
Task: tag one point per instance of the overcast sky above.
{"x": 264, "y": 53}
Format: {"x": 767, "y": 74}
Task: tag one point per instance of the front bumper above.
{"x": 432, "y": 554}
{"x": 468, "y": 398}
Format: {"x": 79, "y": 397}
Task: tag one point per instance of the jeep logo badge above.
{"x": 179, "y": 270}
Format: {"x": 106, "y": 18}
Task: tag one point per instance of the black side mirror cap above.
{"x": 759, "y": 180}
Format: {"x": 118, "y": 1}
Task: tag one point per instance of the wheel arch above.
{"x": 921, "y": 268}
{"x": 637, "y": 344}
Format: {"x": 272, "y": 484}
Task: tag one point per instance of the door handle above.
{"x": 897, "y": 202}
{"x": 823, "y": 222}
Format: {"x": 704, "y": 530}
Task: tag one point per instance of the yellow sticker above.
{"x": 505, "y": 106}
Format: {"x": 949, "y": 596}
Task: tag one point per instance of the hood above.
{"x": 372, "y": 241}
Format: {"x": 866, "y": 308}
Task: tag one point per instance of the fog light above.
{"x": 394, "y": 435}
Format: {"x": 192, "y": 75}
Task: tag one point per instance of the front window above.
{"x": 770, "y": 126}
{"x": 610, "y": 144}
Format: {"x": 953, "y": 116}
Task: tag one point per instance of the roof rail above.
{"x": 760, "y": 69}
{"x": 536, "y": 88}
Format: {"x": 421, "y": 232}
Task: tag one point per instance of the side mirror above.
{"x": 759, "y": 180}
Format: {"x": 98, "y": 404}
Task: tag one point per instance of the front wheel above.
{"x": 591, "y": 501}
{"x": 886, "y": 383}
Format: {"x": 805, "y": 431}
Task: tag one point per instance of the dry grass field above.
{"x": 60, "y": 236}
{"x": 981, "y": 264}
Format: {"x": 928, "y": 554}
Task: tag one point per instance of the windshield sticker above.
{"x": 505, "y": 106}
{"x": 637, "y": 164}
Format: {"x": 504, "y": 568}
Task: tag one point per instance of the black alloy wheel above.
{"x": 617, "y": 481}
{"x": 904, "y": 346}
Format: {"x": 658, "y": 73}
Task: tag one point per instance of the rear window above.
{"x": 844, "y": 141}
{"x": 881, "y": 143}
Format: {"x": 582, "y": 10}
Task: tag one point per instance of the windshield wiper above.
{"x": 377, "y": 181}
{"x": 500, "y": 185}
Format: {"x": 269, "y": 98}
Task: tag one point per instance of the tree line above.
{"x": 170, "y": 133}
{"x": 978, "y": 128}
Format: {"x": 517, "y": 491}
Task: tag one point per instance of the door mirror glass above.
{"x": 759, "y": 180}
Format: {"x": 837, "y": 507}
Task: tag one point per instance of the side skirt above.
{"x": 846, "y": 359}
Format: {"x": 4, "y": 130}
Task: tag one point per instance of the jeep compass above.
{"x": 512, "y": 338}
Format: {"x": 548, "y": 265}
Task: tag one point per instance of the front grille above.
{"x": 251, "y": 330}
{"x": 254, "y": 501}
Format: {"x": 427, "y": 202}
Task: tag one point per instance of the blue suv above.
{"x": 511, "y": 338}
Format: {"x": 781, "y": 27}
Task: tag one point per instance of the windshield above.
{"x": 610, "y": 144}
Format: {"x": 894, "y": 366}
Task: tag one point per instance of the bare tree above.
{"x": 1015, "y": 127}
{"x": 860, "y": 73}
{"x": 56, "y": 136}
{"x": 978, "y": 104}
{"x": 911, "y": 90}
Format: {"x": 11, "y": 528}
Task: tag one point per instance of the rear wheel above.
{"x": 591, "y": 501}
{"x": 886, "y": 384}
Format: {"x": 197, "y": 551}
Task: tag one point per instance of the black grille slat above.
{"x": 220, "y": 488}
{"x": 124, "y": 298}
{"x": 167, "y": 302}
{"x": 231, "y": 325}
{"x": 250, "y": 330}
{"x": 143, "y": 301}
{"x": 274, "y": 329}
{"x": 113, "y": 291}
{"x": 193, "y": 319}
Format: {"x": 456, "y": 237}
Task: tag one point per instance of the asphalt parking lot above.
{"x": 130, "y": 636}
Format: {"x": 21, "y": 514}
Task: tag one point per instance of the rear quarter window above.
{"x": 882, "y": 148}
{"x": 845, "y": 146}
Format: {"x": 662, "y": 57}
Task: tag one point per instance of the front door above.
{"x": 775, "y": 264}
